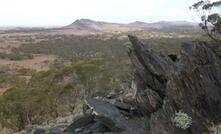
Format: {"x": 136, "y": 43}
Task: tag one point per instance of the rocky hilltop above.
{"x": 177, "y": 94}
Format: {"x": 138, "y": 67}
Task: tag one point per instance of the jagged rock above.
{"x": 55, "y": 131}
{"x": 39, "y": 131}
{"x": 148, "y": 101}
{"x": 80, "y": 122}
{"x": 92, "y": 128}
{"x": 123, "y": 106}
{"x": 191, "y": 85}
{"x": 150, "y": 67}
{"x": 96, "y": 127}
{"x": 107, "y": 114}
{"x": 149, "y": 76}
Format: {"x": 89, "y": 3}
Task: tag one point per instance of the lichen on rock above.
{"x": 182, "y": 120}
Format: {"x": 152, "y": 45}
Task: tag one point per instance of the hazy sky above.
{"x": 63, "y": 12}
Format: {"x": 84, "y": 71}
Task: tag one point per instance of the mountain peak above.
{"x": 86, "y": 24}
{"x": 138, "y": 22}
{"x": 83, "y": 21}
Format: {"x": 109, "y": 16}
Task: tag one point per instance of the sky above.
{"x": 64, "y": 12}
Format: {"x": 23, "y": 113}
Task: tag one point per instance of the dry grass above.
{"x": 2, "y": 90}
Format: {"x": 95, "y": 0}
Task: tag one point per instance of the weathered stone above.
{"x": 96, "y": 127}
{"x": 191, "y": 85}
{"x": 123, "y": 106}
{"x": 55, "y": 131}
{"x": 39, "y": 131}
{"x": 107, "y": 114}
{"x": 148, "y": 101}
{"x": 80, "y": 122}
{"x": 150, "y": 67}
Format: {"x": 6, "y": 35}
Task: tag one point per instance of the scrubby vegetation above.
{"x": 15, "y": 56}
{"x": 72, "y": 47}
{"x": 112, "y": 49}
{"x": 49, "y": 94}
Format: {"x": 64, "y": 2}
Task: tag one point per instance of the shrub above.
{"x": 182, "y": 120}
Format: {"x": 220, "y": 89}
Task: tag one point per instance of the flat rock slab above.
{"x": 80, "y": 122}
{"x": 107, "y": 114}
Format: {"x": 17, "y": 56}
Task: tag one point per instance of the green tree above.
{"x": 209, "y": 13}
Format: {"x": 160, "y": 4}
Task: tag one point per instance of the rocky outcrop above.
{"x": 179, "y": 96}
{"x": 78, "y": 122}
{"x": 100, "y": 116}
{"x": 107, "y": 114}
{"x": 191, "y": 86}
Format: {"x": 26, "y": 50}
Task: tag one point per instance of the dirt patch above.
{"x": 39, "y": 63}
{"x": 4, "y": 87}
{"x": 2, "y": 90}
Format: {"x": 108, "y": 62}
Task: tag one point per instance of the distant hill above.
{"x": 85, "y": 26}
{"x": 95, "y": 26}
{"x": 139, "y": 24}
{"x": 99, "y": 26}
{"x": 162, "y": 24}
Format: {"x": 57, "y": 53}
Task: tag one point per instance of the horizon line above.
{"x": 63, "y": 25}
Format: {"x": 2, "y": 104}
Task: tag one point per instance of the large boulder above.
{"x": 107, "y": 114}
{"x": 80, "y": 122}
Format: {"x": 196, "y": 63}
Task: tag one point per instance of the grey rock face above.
{"x": 191, "y": 85}
{"x": 107, "y": 114}
{"x": 80, "y": 122}
{"x": 39, "y": 131}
